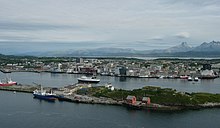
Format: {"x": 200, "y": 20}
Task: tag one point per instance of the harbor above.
{"x": 36, "y": 113}
{"x": 61, "y": 80}
{"x": 106, "y": 95}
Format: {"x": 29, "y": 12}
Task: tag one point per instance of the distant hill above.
{"x": 183, "y": 47}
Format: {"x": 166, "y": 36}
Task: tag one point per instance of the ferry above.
{"x": 85, "y": 79}
{"x": 42, "y": 94}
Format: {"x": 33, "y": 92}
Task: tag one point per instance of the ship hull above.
{"x": 45, "y": 97}
{"x": 88, "y": 81}
{"x": 8, "y": 84}
{"x": 208, "y": 77}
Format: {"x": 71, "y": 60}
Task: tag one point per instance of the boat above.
{"x": 8, "y": 82}
{"x": 42, "y": 94}
{"x": 208, "y": 77}
{"x": 5, "y": 71}
{"x": 208, "y": 74}
{"x": 161, "y": 77}
{"x": 85, "y": 79}
{"x": 196, "y": 79}
{"x": 184, "y": 77}
{"x": 189, "y": 78}
{"x": 145, "y": 76}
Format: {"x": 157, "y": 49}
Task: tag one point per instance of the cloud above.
{"x": 182, "y": 35}
{"x": 157, "y": 38}
{"x": 35, "y": 26}
{"x": 150, "y": 21}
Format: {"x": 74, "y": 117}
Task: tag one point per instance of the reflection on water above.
{"x": 122, "y": 79}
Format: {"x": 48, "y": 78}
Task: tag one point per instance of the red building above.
{"x": 131, "y": 99}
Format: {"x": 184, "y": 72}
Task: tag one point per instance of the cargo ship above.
{"x": 85, "y": 79}
{"x": 42, "y": 94}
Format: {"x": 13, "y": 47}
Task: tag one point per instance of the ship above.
{"x": 8, "y": 82}
{"x": 85, "y": 79}
{"x": 42, "y": 94}
{"x": 184, "y": 77}
{"x": 208, "y": 74}
{"x": 196, "y": 79}
{"x": 5, "y": 71}
{"x": 190, "y": 78}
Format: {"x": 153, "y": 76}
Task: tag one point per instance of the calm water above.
{"x": 59, "y": 80}
{"x": 20, "y": 110}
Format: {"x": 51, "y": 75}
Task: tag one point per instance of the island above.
{"x": 148, "y": 97}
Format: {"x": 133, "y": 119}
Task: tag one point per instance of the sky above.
{"x": 46, "y": 25}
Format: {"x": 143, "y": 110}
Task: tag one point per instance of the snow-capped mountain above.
{"x": 213, "y": 46}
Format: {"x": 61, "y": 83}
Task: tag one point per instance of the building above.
{"x": 122, "y": 71}
{"x": 79, "y": 60}
{"x": 146, "y": 100}
{"x": 131, "y": 99}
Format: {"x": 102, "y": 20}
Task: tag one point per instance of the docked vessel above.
{"x": 190, "y": 78}
{"x": 8, "y": 82}
{"x": 145, "y": 76}
{"x": 42, "y": 94}
{"x": 196, "y": 79}
{"x": 208, "y": 74}
{"x": 184, "y": 77}
{"x": 208, "y": 77}
{"x": 85, "y": 79}
{"x": 5, "y": 71}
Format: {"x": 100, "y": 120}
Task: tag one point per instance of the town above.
{"x": 145, "y": 98}
{"x": 119, "y": 67}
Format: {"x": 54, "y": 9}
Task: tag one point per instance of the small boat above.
{"x": 85, "y": 79}
{"x": 5, "y": 70}
{"x": 161, "y": 77}
{"x": 189, "y": 78}
{"x": 8, "y": 82}
{"x": 196, "y": 79}
{"x": 184, "y": 77}
{"x": 42, "y": 94}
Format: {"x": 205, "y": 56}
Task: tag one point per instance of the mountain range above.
{"x": 211, "y": 49}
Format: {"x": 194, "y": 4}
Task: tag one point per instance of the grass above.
{"x": 158, "y": 95}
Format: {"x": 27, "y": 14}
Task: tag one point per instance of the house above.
{"x": 146, "y": 100}
{"x": 131, "y": 99}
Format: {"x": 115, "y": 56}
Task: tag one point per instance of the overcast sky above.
{"x": 138, "y": 24}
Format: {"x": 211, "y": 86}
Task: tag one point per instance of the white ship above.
{"x": 85, "y": 79}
